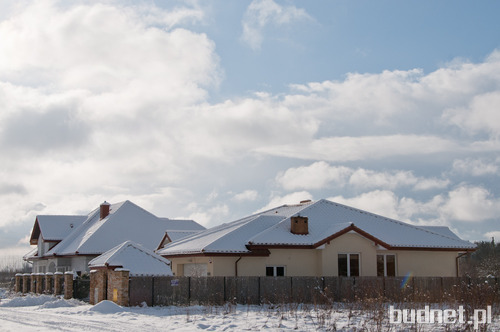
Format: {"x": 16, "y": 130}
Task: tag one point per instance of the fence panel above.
{"x": 81, "y": 288}
{"x": 243, "y": 290}
{"x": 171, "y": 290}
{"x": 307, "y": 289}
{"x": 331, "y": 289}
{"x": 398, "y": 289}
{"x": 368, "y": 287}
{"x": 275, "y": 289}
{"x": 141, "y": 290}
{"x": 207, "y": 290}
{"x": 258, "y": 290}
{"x": 428, "y": 289}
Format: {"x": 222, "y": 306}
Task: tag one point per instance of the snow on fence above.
{"x": 163, "y": 291}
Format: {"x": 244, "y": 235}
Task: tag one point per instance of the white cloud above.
{"x": 315, "y": 176}
{"x": 211, "y": 216}
{"x": 338, "y": 149}
{"x": 476, "y": 167}
{"x": 321, "y": 175}
{"x": 382, "y": 202}
{"x": 464, "y": 204}
{"x": 481, "y": 115}
{"x": 293, "y": 198}
{"x": 493, "y": 234}
{"x": 471, "y": 204}
{"x": 247, "y": 195}
{"x": 261, "y": 13}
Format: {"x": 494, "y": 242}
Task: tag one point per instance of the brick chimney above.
{"x": 299, "y": 225}
{"x": 104, "y": 209}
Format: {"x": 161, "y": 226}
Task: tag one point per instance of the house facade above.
{"x": 320, "y": 238}
{"x": 69, "y": 243}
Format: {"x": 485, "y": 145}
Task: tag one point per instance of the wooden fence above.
{"x": 163, "y": 291}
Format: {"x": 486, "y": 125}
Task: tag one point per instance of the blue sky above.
{"x": 216, "y": 110}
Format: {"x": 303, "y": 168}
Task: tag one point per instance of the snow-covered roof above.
{"x": 326, "y": 220}
{"x": 182, "y": 225}
{"x": 135, "y": 258}
{"x": 54, "y": 228}
{"x": 125, "y": 221}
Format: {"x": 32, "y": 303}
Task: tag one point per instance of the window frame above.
{"x": 348, "y": 256}
{"x": 385, "y": 264}
{"x": 275, "y": 270}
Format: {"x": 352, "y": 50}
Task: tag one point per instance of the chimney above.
{"x": 105, "y": 209}
{"x": 299, "y": 225}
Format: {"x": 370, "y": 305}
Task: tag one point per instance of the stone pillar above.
{"x": 58, "y": 280}
{"x": 26, "y": 282}
{"x": 19, "y": 283}
{"x": 33, "y": 283}
{"x": 39, "y": 283}
{"x": 98, "y": 289}
{"x": 48, "y": 282}
{"x": 118, "y": 281}
{"x": 68, "y": 284}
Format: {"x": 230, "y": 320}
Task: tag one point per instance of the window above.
{"x": 386, "y": 265}
{"x": 275, "y": 271}
{"x": 348, "y": 265}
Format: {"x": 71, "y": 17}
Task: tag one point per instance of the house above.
{"x": 133, "y": 257}
{"x": 320, "y": 238}
{"x": 69, "y": 243}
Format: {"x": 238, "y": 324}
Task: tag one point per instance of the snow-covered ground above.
{"x": 49, "y": 313}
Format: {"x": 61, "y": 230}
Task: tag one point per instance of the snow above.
{"x": 125, "y": 221}
{"x": 326, "y": 218}
{"x": 49, "y": 313}
{"x": 134, "y": 257}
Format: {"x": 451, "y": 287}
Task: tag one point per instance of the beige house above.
{"x": 320, "y": 238}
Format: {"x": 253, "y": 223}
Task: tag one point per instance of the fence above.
{"x": 165, "y": 291}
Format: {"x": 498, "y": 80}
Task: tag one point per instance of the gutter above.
{"x": 236, "y": 266}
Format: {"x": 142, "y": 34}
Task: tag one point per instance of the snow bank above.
{"x": 28, "y": 301}
{"x": 61, "y": 303}
{"x": 106, "y": 307}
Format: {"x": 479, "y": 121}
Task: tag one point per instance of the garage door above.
{"x": 195, "y": 270}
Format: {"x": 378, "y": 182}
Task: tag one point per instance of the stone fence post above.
{"x": 68, "y": 284}
{"x": 98, "y": 289}
{"x": 26, "y": 283}
{"x": 118, "y": 281}
{"x": 39, "y": 283}
{"x": 48, "y": 282}
{"x": 33, "y": 283}
{"x": 58, "y": 280}
{"x": 19, "y": 283}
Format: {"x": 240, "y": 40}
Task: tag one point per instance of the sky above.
{"x": 214, "y": 110}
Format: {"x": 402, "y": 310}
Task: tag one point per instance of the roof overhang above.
{"x": 258, "y": 252}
